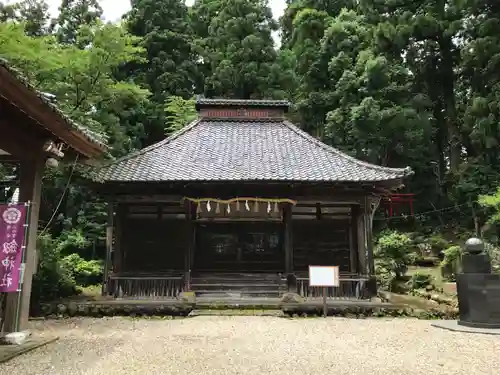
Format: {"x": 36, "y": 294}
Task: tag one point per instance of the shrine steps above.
{"x": 238, "y": 285}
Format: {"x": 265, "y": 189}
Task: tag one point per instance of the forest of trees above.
{"x": 393, "y": 82}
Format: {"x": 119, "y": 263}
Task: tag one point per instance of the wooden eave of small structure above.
{"x": 19, "y": 93}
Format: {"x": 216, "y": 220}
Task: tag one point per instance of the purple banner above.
{"x": 12, "y": 232}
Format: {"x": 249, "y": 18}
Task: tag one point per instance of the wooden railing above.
{"x": 147, "y": 287}
{"x": 351, "y": 287}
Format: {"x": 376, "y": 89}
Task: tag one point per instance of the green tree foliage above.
{"x": 395, "y": 251}
{"x": 166, "y": 35}
{"x": 492, "y": 202}
{"x": 85, "y": 86}
{"x": 330, "y": 7}
{"x": 381, "y": 78}
{"x": 180, "y": 112}
{"x": 170, "y": 67}
{"x": 33, "y": 13}
{"x": 237, "y": 49}
{"x": 74, "y": 14}
{"x": 82, "y": 79}
{"x": 376, "y": 113}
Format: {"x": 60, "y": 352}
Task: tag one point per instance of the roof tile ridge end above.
{"x": 165, "y": 141}
{"x": 407, "y": 171}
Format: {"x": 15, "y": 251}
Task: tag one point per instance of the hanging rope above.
{"x": 241, "y": 199}
{"x": 56, "y": 210}
{"x": 421, "y": 214}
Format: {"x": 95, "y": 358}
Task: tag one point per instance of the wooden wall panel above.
{"x": 154, "y": 245}
{"x": 321, "y": 243}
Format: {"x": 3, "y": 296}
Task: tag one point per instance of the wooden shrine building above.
{"x": 240, "y": 201}
{"x": 34, "y": 133}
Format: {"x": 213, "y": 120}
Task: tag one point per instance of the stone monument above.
{"x": 478, "y": 289}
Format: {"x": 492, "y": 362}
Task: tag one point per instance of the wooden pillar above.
{"x": 109, "y": 249}
{"x": 353, "y": 240}
{"x": 189, "y": 245}
{"x": 288, "y": 245}
{"x": 29, "y": 190}
{"x": 369, "y": 237}
{"x": 118, "y": 251}
{"x": 361, "y": 242}
{"x": 370, "y": 266}
{"x": 287, "y": 223}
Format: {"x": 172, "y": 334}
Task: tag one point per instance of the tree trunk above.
{"x": 450, "y": 110}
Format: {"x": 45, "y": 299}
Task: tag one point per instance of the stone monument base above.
{"x": 478, "y": 325}
{"x": 455, "y": 326}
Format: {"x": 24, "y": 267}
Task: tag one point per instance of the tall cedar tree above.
{"x": 237, "y": 49}
{"x": 167, "y": 36}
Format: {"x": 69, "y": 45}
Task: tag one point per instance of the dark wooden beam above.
{"x": 32, "y": 106}
{"x": 148, "y": 192}
{"x": 9, "y": 159}
{"x": 21, "y": 145}
{"x": 328, "y": 205}
{"x": 190, "y": 242}
{"x": 119, "y": 251}
{"x": 109, "y": 248}
{"x": 288, "y": 237}
{"x": 353, "y": 240}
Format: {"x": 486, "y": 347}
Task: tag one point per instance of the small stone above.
{"x": 187, "y": 297}
{"x": 292, "y": 298}
{"x": 72, "y": 309}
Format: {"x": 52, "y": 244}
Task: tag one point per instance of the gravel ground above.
{"x": 257, "y": 346}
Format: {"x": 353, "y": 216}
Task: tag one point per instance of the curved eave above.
{"x": 17, "y": 91}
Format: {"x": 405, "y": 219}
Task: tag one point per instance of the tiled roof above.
{"x": 48, "y": 100}
{"x": 201, "y": 103}
{"x": 222, "y": 150}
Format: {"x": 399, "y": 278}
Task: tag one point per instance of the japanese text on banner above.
{"x": 12, "y": 232}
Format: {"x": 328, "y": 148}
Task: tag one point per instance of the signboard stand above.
{"x": 325, "y": 277}
{"x": 325, "y": 307}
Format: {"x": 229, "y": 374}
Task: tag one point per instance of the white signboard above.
{"x": 324, "y": 276}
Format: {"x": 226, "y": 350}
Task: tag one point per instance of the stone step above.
{"x": 233, "y": 294}
{"x": 236, "y": 286}
{"x": 241, "y": 275}
{"x": 236, "y": 281}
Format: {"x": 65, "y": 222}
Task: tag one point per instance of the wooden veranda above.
{"x": 240, "y": 203}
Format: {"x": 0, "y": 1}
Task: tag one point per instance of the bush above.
{"x": 52, "y": 280}
{"x": 84, "y": 272}
{"x": 420, "y": 280}
{"x": 385, "y": 277}
{"x": 396, "y": 252}
{"x": 450, "y": 264}
{"x": 58, "y": 275}
{"x": 71, "y": 241}
{"x": 438, "y": 245}
{"x": 494, "y": 253}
